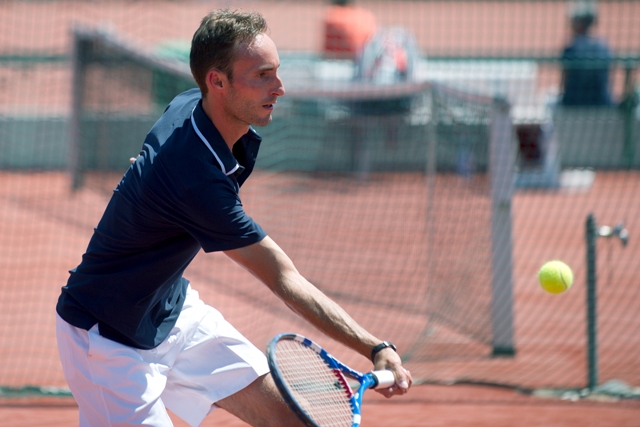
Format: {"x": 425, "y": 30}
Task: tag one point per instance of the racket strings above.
{"x": 320, "y": 391}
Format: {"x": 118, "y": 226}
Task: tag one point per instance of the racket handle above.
{"x": 384, "y": 378}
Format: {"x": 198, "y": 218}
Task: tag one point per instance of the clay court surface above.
{"x": 40, "y": 213}
{"x": 421, "y": 408}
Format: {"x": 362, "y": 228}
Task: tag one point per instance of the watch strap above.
{"x": 380, "y": 347}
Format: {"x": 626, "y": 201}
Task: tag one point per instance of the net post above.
{"x": 431, "y": 170}
{"x": 592, "y": 343}
{"x": 431, "y": 161}
{"x": 629, "y": 104}
{"x": 81, "y": 44}
{"x": 502, "y": 178}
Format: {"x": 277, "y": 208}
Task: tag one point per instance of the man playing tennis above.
{"x": 134, "y": 337}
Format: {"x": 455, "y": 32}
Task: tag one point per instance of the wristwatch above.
{"x": 381, "y": 346}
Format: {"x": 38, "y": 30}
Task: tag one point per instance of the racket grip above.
{"x": 384, "y": 378}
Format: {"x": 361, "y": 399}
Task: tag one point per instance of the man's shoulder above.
{"x": 186, "y": 99}
{"x": 175, "y": 115}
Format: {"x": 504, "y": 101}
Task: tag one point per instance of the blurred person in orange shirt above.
{"x": 348, "y": 28}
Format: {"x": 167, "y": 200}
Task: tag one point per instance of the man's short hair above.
{"x": 214, "y": 42}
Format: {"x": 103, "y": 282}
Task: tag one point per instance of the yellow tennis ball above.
{"x": 555, "y": 277}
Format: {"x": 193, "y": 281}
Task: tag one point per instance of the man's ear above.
{"x": 216, "y": 80}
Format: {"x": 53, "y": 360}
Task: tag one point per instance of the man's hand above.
{"x": 389, "y": 359}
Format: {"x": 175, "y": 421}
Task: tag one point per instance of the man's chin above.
{"x": 263, "y": 121}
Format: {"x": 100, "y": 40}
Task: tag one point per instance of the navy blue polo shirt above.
{"x": 179, "y": 196}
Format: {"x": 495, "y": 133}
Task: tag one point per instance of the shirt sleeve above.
{"x": 213, "y": 214}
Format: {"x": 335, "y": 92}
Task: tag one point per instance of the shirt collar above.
{"x": 211, "y": 137}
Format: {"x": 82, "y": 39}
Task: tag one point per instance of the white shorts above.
{"x": 204, "y": 359}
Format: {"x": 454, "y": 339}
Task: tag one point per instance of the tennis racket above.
{"x": 315, "y": 385}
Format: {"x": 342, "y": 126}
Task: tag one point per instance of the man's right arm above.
{"x": 269, "y": 263}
